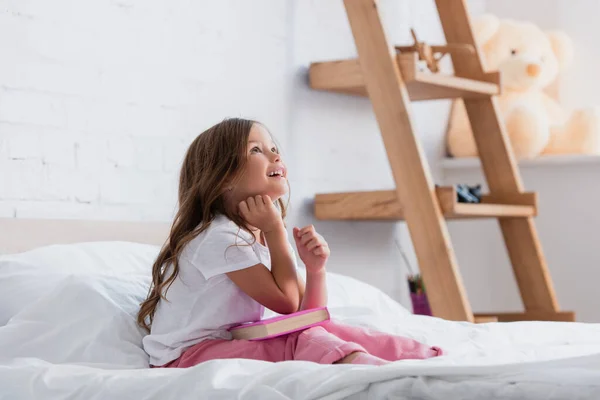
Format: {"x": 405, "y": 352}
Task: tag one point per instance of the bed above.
{"x": 69, "y": 292}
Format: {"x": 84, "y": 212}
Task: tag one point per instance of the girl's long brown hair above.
{"x": 213, "y": 162}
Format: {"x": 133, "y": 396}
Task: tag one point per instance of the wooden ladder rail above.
{"x": 499, "y": 166}
{"x": 414, "y": 186}
{"x": 387, "y": 89}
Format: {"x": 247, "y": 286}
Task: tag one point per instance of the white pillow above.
{"x": 87, "y": 320}
{"x": 78, "y": 303}
{"x": 26, "y": 277}
{"x": 91, "y": 319}
{"x": 346, "y": 292}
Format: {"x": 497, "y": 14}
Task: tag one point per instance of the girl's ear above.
{"x": 227, "y": 187}
{"x": 484, "y": 27}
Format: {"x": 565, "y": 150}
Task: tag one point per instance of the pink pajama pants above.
{"x": 323, "y": 344}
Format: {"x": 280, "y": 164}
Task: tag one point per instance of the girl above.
{"x": 228, "y": 257}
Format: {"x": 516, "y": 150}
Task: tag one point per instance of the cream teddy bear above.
{"x": 529, "y": 60}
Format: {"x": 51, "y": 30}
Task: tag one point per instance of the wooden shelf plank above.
{"x": 467, "y": 210}
{"x": 559, "y": 316}
{"x": 377, "y": 205}
{"x": 436, "y": 86}
{"x": 525, "y": 199}
{"x": 345, "y": 76}
{"x": 545, "y": 161}
{"x": 484, "y": 319}
{"x": 383, "y": 205}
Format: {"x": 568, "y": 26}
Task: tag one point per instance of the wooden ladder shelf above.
{"x": 384, "y": 205}
{"x": 345, "y": 76}
{"x": 392, "y": 82}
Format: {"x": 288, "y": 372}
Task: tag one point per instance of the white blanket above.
{"x": 533, "y": 360}
{"x": 71, "y": 334}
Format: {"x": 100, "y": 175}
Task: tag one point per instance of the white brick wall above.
{"x": 99, "y": 99}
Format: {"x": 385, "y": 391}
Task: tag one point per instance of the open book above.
{"x": 280, "y": 325}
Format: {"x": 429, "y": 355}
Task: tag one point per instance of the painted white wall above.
{"x": 567, "y": 225}
{"x": 580, "y": 88}
{"x": 527, "y": 10}
{"x": 94, "y": 121}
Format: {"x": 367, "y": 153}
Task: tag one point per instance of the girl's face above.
{"x": 265, "y": 173}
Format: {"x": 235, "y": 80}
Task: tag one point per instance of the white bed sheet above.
{"x": 73, "y": 336}
{"x": 533, "y": 360}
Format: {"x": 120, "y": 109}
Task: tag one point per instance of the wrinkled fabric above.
{"x": 323, "y": 344}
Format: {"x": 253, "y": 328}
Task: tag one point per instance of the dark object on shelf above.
{"x": 468, "y": 194}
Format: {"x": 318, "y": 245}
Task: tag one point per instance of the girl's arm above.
{"x": 314, "y": 252}
{"x": 276, "y": 289}
{"x": 313, "y": 293}
{"x": 283, "y": 267}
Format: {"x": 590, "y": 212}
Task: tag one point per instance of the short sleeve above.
{"x": 224, "y": 248}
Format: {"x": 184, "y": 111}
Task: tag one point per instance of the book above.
{"x": 280, "y": 325}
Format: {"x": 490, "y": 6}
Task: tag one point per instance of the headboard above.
{"x": 18, "y": 234}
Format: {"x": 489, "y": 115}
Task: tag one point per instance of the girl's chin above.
{"x": 277, "y": 191}
{"x": 275, "y": 196}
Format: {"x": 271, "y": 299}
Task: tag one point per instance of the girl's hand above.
{"x": 260, "y": 212}
{"x": 312, "y": 248}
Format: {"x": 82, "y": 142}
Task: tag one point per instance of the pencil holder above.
{"x": 418, "y": 295}
{"x": 420, "y": 304}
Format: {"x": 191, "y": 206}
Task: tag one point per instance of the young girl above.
{"x": 228, "y": 258}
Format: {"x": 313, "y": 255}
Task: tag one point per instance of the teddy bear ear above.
{"x": 484, "y": 27}
{"x": 562, "y": 45}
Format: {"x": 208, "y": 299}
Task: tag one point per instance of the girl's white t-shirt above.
{"x": 202, "y": 302}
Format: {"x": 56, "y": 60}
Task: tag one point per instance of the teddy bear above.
{"x": 529, "y": 61}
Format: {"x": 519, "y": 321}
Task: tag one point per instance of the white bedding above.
{"x": 508, "y": 361}
{"x": 78, "y": 340}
